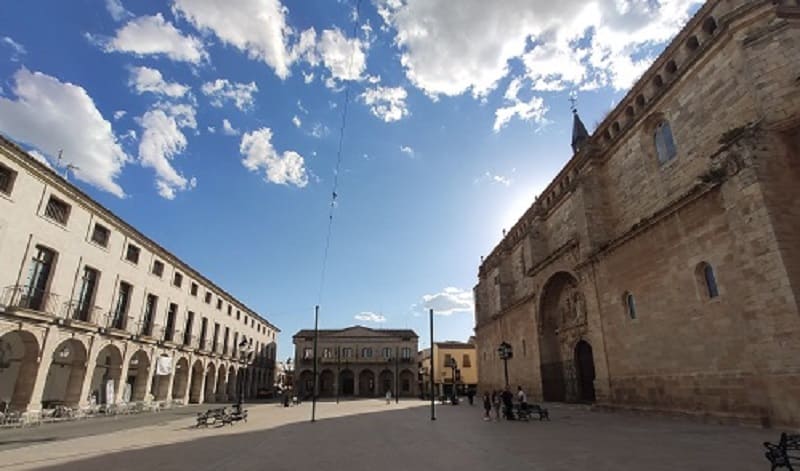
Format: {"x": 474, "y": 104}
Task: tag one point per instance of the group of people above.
{"x": 503, "y": 402}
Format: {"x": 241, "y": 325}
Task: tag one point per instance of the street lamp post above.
{"x": 505, "y": 351}
{"x": 454, "y": 366}
{"x": 243, "y": 357}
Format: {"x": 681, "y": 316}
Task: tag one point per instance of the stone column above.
{"x": 91, "y": 364}
{"x": 123, "y": 374}
{"x": 41, "y": 368}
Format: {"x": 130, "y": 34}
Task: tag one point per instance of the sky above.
{"x": 214, "y": 127}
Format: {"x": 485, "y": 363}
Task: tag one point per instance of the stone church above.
{"x": 660, "y": 269}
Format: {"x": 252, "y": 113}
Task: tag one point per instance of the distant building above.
{"x": 357, "y": 361}
{"x": 463, "y": 373}
{"x": 93, "y": 310}
{"x": 660, "y": 269}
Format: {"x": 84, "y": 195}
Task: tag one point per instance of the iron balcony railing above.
{"x": 118, "y": 322}
{"x": 171, "y": 336}
{"x": 144, "y": 328}
{"x": 26, "y": 297}
{"x": 78, "y": 311}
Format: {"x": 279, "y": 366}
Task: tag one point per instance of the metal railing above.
{"x": 78, "y": 311}
{"x": 25, "y": 297}
{"x": 113, "y": 321}
{"x": 171, "y": 336}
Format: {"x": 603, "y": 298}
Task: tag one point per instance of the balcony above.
{"x": 117, "y": 324}
{"x": 24, "y": 299}
{"x": 78, "y": 312}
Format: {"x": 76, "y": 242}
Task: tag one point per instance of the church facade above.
{"x": 660, "y": 269}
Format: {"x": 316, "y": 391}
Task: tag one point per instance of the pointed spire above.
{"x": 579, "y": 133}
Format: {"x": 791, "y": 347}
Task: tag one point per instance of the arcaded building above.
{"x": 356, "y": 361}
{"x": 92, "y": 311}
{"x": 660, "y": 269}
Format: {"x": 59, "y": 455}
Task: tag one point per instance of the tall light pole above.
{"x": 505, "y": 351}
{"x": 316, "y": 379}
{"x": 433, "y": 402}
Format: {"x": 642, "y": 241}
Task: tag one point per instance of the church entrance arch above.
{"x": 562, "y": 322}
{"x": 584, "y": 364}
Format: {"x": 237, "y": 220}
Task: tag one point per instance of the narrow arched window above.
{"x": 524, "y": 348}
{"x": 665, "y": 142}
{"x": 630, "y": 305}
{"x": 709, "y": 279}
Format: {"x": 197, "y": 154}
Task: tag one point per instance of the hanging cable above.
{"x": 337, "y": 169}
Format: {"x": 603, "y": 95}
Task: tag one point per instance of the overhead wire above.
{"x": 339, "y": 158}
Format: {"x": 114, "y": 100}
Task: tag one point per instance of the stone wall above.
{"x": 617, "y": 222}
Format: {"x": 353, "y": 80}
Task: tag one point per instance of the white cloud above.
{"x": 256, "y": 27}
{"x": 17, "y": 48}
{"x": 370, "y": 317}
{"x": 562, "y": 44}
{"x": 51, "y": 115}
{"x": 162, "y": 140}
{"x": 228, "y": 129}
{"x": 287, "y": 168}
{"x": 448, "y": 301}
{"x": 344, "y": 58}
{"x": 152, "y": 35}
{"x": 494, "y": 179}
{"x": 308, "y": 77}
{"x": 211, "y": 129}
{"x": 319, "y": 130}
{"x": 40, "y": 157}
{"x": 221, "y": 90}
{"x": 296, "y": 121}
{"x": 407, "y": 150}
{"x": 386, "y": 103}
{"x": 117, "y": 11}
{"x": 301, "y": 107}
{"x": 533, "y": 109}
{"x": 145, "y": 79}
{"x": 119, "y": 114}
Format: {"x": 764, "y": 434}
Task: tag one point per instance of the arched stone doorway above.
{"x": 407, "y": 381}
{"x": 305, "y": 384}
{"x": 19, "y": 352}
{"x": 211, "y": 379}
{"x": 584, "y": 363}
{"x": 106, "y": 377}
{"x": 160, "y": 384}
{"x": 326, "y": 387}
{"x": 366, "y": 383}
{"x": 561, "y": 323}
{"x": 180, "y": 380}
{"x": 65, "y": 375}
{"x": 347, "y": 383}
{"x": 386, "y": 382}
{"x": 232, "y": 382}
{"x": 222, "y": 389}
{"x": 196, "y": 387}
{"x": 136, "y": 382}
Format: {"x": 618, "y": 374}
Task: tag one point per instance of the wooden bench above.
{"x": 784, "y": 454}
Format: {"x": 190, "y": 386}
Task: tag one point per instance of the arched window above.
{"x": 366, "y": 352}
{"x": 524, "y": 348}
{"x": 707, "y": 278}
{"x": 630, "y": 305}
{"x": 665, "y": 142}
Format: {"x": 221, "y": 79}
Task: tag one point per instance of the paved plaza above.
{"x": 370, "y": 435}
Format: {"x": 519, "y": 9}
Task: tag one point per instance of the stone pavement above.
{"x": 370, "y": 435}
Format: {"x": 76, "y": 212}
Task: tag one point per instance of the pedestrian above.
{"x": 388, "y": 396}
{"x": 522, "y": 398}
{"x": 508, "y": 403}
{"x": 496, "y": 404}
{"x": 471, "y": 396}
{"x": 487, "y": 406}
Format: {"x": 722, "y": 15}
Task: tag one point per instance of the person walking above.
{"x": 522, "y": 398}
{"x": 388, "y": 396}
{"x": 508, "y": 403}
{"x": 496, "y": 404}
{"x": 487, "y": 406}
{"x": 471, "y": 396}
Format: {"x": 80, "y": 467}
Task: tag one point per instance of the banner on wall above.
{"x": 164, "y": 366}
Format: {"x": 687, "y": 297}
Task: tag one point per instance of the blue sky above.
{"x": 213, "y": 127}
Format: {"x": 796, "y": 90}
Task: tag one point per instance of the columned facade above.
{"x": 94, "y": 312}
{"x": 356, "y": 362}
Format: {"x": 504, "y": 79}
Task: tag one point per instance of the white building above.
{"x": 89, "y": 306}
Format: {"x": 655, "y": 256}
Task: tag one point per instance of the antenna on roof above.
{"x": 69, "y": 166}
